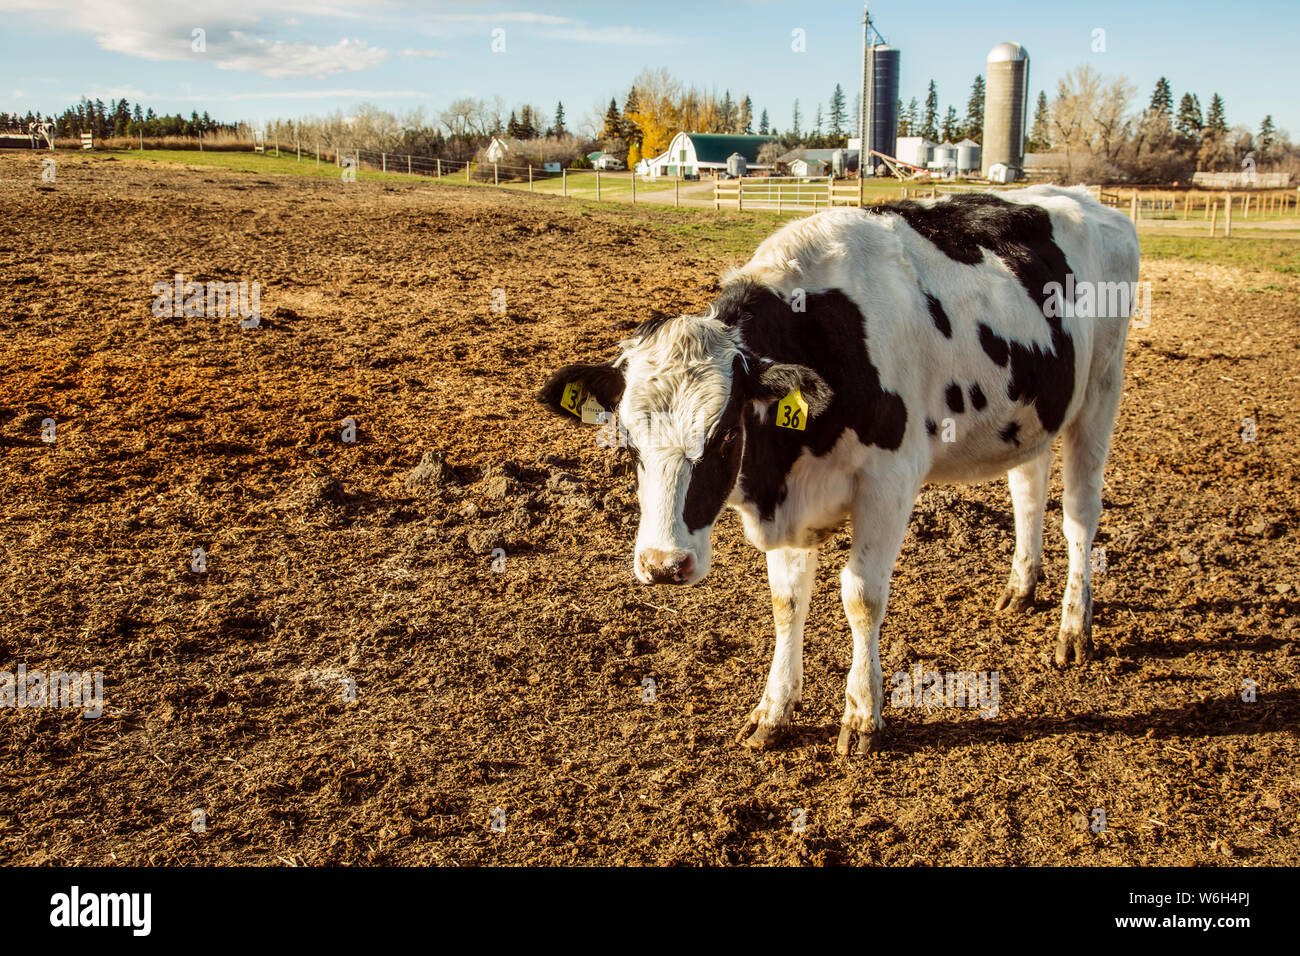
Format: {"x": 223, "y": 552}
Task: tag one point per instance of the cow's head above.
{"x": 681, "y": 388}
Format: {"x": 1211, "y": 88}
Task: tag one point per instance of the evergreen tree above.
{"x": 837, "y": 111}
{"x": 746, "y": 121}
{"x": 929, "y": 124}
{"x": 512, "y": 126}
{"x": 1267, "y": 135}
{"x": 794, "y": 121}
{"x": 763, "y": 127}
{"x": 974, "y": 126}
{"x": 631, "y": 132}
{"x": 728, "y": 111}
{"x": 1162, "y": 100}
{"x": 1189, "y": 123}
{"x": 910, "y": 118}
{"x": 559, "y": 129}
{"x": 613, "y": 122}
{"x": 1040, "y": 134}
{"x": 950, "y": 129}
{"x": 1216, "y": 120}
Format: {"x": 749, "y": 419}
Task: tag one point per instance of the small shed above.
{"x": 808, "y": 167}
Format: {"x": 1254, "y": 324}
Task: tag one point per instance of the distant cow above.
{"x": 857, "y": 356}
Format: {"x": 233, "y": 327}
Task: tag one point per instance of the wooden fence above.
{"x": 785, "y": 192}
{"x": 1218, "y": 209}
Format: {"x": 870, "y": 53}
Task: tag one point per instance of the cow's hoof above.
{"x": 1014, "y": 601}
{"x": 1073, "y": 643}
{"x": 762, "y": 736}
{"x": 861, "y": 742}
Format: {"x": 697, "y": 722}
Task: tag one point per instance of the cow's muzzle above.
{"x": 665, "y": 567}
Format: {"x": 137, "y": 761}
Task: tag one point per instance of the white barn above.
{"x": 690, "y": 154}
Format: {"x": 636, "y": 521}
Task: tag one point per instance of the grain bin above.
{"x": 737, "y": 165}
{"x": 968, "y": 156}
{"x": 880, "y": 69}
{"x": 1006, "y": 101}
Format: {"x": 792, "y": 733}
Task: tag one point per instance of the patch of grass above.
{"x": 1279, "y": 255}
{"x": 262, "y": 163}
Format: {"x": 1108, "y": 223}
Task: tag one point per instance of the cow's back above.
{"x": 954, "y": 295}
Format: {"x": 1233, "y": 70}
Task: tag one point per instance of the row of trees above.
{"x": 117, "y": 118}
{"x": 1091, "y": 121}
{"x": 915, "y": 119}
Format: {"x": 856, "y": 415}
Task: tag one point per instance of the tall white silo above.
{"x": 1006, "y": 104}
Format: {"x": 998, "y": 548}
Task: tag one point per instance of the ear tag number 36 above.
{"x": 792, "y": 411}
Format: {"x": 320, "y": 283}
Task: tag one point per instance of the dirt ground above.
{"x": 372, "y": 562}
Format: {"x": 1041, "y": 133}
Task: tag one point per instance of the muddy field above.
{"x": 370, "y": 564}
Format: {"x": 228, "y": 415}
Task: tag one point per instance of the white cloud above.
{"x": 426, "y": 54}
{"x": 278, "y": 59}
{"x": 236, "y": 34}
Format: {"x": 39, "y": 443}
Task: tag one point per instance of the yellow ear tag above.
{"x": 792, "y": 411}
{"x": 592, "y": 411}
{"x": 571, "y": 398}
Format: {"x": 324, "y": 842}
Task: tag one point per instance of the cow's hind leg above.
{"x": 791, "y": 572}
{"x": 879, "y": 523}
{"x": 1083, "y": 459}
{"x": 1029, "y": 496}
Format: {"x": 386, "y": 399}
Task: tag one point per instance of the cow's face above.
{"x": 681, "y": 392}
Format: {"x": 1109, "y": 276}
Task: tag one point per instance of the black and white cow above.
{"x": 934, "y": 340}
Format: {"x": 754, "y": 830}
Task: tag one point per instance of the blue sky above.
{"x": 284, "y": 59}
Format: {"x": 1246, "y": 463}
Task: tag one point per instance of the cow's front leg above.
{"x": 791, "y": 572}
{"x": 879, "y": 523}
{"x": 1029, "y": 495}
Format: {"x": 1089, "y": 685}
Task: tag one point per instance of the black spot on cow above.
{"x": 930, "y": 426}
{"x": 714, "y": 475}
{"x": 977, "y": 399}
{"x": 952, "y": 395}
{"x": 965, "y": 228}
{"x": 1009, "y": 432}
{"x": 829, "y": 337}
{"x": 938, "y": 316}
{"x": 993, "y": 345}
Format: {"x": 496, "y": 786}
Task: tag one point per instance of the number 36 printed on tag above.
{"x": 792, "y": 411}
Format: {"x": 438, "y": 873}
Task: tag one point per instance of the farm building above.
{"x": 603, "y": 160}
{"x": 914, "y": 150}
{"x": 690, "y": 154}
{"x": 502, "y": 149}
{"x": 808, "y": 167}
{"x": 1047, "y": 165}
{"x": 816, "y": 162}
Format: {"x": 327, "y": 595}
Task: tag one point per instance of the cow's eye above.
{"x": 731, "y": 433}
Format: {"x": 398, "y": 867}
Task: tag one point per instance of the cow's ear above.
{"x": 773, "y": 381}
{"x": 565, "y": 391}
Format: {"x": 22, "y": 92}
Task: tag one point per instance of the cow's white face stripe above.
{"x": 678, "y": 383}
